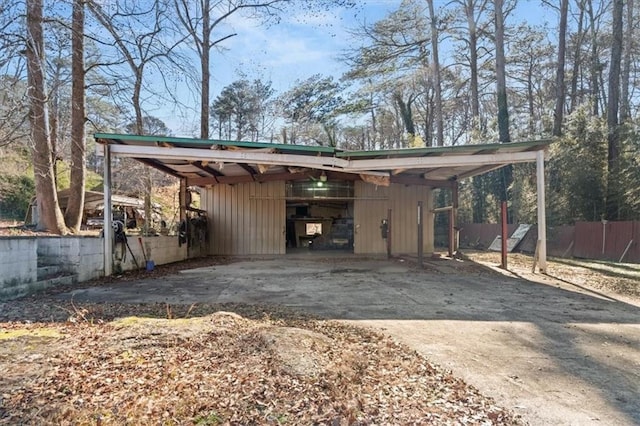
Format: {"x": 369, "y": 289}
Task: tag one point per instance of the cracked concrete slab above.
{"x": 554, "y": 353}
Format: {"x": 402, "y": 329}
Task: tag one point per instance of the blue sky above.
{"x": 296, "y": 48}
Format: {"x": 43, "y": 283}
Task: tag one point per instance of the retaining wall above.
{"x": 78, "y": 256}
{"x": 18, "y": 265}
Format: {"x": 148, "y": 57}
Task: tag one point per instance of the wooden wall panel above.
{"x": 371, "y": 206}
{"x": 246, "y": 218}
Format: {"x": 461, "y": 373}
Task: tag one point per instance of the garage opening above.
{"x": 319, "y": 215}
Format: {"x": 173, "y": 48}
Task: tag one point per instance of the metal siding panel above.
{"x": 253, "y": 225}
{"x": 281, "y": 216}
{"x": 367, "y": 216}
{"x": 246, "y": 212}
{"x": 249, "y": 218}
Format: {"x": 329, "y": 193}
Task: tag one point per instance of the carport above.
{"x": 248, "y": 187}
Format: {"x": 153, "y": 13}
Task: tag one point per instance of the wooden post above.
{"x": 452, "y": 232}
{"x": 420, "y": 233}
{"x": 505, "y": 235}
{"x": 389, "y": 231}
{"x": 183, "y": 199}
{"x": 454, "y": 214}
{"x": 542, "y": 219}
{"x": 107, "y": 230}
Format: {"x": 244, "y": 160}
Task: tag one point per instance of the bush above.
{"x": 16, "y": 193}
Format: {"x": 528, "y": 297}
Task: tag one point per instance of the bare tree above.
{"x": 501, "y": 82}
{"x": 560, "y": 88}
{"x": 200, "y": 19}
{"x": 75, "y": 205}
{"x": 629, "y": 38}
{"x": 577, "y": 57}
{"x": 145, "y": 47}
{"x": 435, "y": 40}
{"x": 613, "y": 139}
{"x": 49, "y": 214}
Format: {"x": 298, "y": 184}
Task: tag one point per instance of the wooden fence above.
{"x": 612, "y": 241}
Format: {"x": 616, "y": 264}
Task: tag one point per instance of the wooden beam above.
{"x": 235, "y": 179}
{"x": 273, "y": 177}
{"x": 428, "y": 172}
{"x": 159, "y": 166}
{"x": 283, "y": 176}
{"x": 410, "y": 180}
{"x": 479, "y": 171}
{"x": 202, "y": 165}
{"x": 443, "y": 161}
{"x": 442, "y": 209}
{"x": 252, "y": 157}
{"x": 248, "y": 169}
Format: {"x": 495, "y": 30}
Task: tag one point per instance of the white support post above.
{"x": 107, "y": 230}
{"x": 542, "y": 221}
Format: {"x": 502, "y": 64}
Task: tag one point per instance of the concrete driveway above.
{"x": 552, "y": 352}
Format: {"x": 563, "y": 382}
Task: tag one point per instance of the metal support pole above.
{"x": 107, "y": 230}
{"x": 542, "y": 220}
{"x": 454, "y": 214}
{"x": 505, "y": 234}
{"x": 389, "y": 232}
{"x": 420, "y": 233}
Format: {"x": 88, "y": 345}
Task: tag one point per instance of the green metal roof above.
{"x": 427, "y": 167}
{"x": 151, "y": 140}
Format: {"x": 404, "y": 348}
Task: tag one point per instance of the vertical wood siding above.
{"x": 369, "y": 210}
{"x": 245, "y": 219}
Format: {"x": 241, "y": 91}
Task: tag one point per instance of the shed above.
{"x": 267, "y": 198}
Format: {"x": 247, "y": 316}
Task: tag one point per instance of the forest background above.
{"x": 423, "y": 73}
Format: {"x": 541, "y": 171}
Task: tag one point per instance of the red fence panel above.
{"x": 606, "y": 240}
{"x": 588, "y": 240}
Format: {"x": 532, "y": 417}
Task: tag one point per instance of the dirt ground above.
{"x": 562, "y": 348}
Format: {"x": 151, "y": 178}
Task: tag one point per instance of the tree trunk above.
{"x": 577, "y": 59}
{"x": 506, "y": 173}
{"x": 436, "y": 76}
{"x": 560, "y": 91}
{"x": 75, "y": 205}
{"x": 49, "y": 214}
{"x": 473, "y": 65}
{"x": 204, "y": 68}
{"x": 595, "y": 61}
{"x": 625, "y": 102}
{"x": 501, "y": 82}
{"x": 532, "y": 111}
{"x": 613, "y": 176}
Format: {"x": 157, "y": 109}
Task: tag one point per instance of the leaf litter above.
{"x": 226, "y": 364}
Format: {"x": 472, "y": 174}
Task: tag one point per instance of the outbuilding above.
{"x": 269, "y": 199}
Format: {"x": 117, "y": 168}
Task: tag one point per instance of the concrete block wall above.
{"x": 160, "y": 249}
{"x": 18, "y": 265}
{"x": 75, "y": 255}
